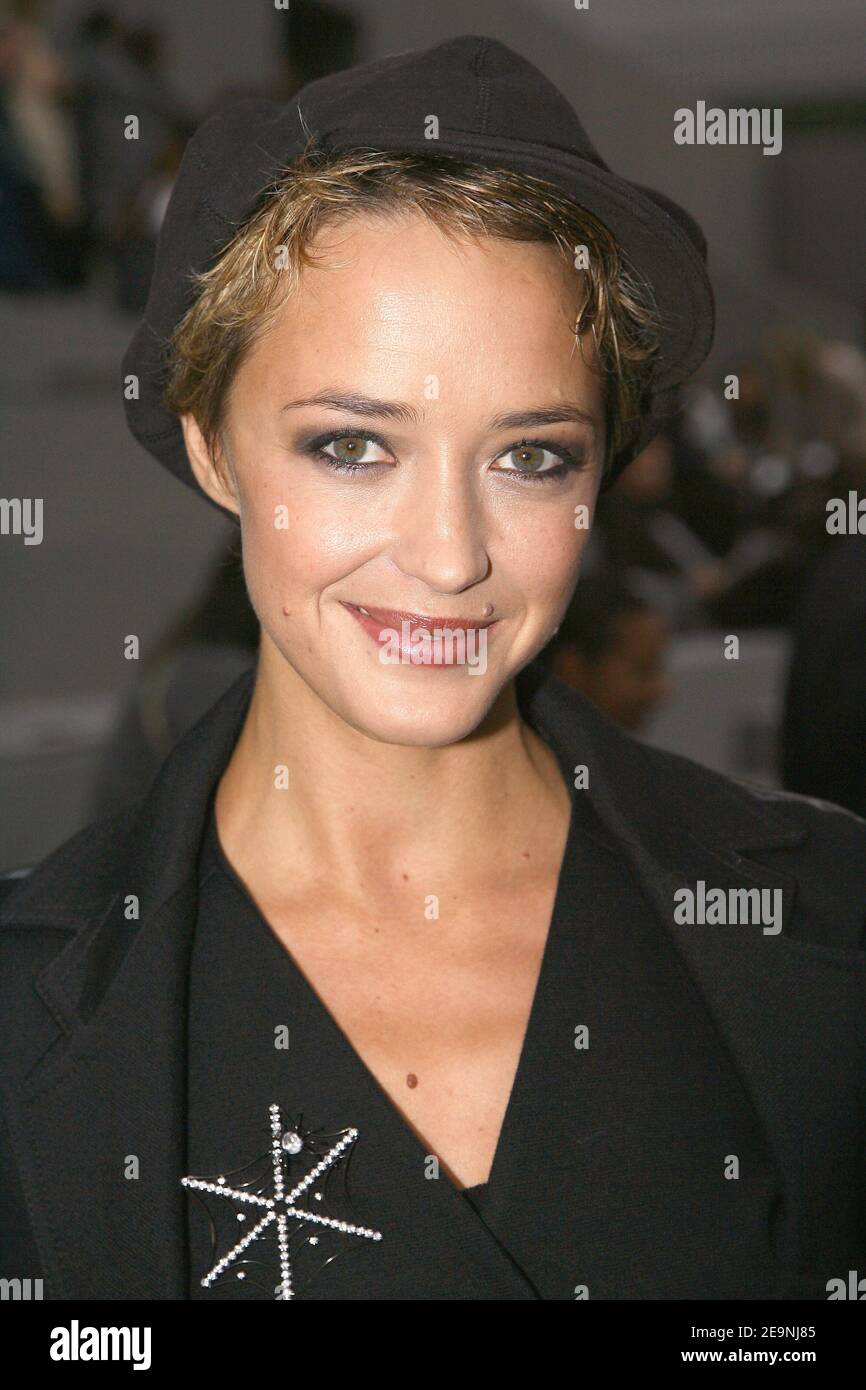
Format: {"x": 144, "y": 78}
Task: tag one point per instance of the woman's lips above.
{"x": 393, "y": 627}
{"x": 395, "y": 617}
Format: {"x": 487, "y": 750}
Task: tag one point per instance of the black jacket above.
{"x": 93, "y": 1019}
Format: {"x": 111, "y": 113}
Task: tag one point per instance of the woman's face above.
{"x": 413, "y": 497}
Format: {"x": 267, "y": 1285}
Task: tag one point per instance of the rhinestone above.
{"x": 291, "y": 1142}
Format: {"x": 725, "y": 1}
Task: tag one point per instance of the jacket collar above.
{"x": 111, "y": 1085}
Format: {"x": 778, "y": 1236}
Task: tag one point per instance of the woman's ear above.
{"x": 211, "y": 467}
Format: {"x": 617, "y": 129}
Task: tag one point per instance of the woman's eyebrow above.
{"x": 545, "y": 415}
{"x": 399, "y": 410}
{"x": 359, "y": 405}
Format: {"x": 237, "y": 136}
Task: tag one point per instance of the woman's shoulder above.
{"x": 667, "y": 810}
{"x": 811, "y": 814}
{"x": 819, "y": 845}
{"x": 626, "y": 761}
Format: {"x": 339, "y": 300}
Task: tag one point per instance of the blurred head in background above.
{"x": 612, "y": 647}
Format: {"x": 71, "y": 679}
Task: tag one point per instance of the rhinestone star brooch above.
{"x": 274, "y": 1201}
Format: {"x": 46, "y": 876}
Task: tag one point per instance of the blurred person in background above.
{"x": 118, "y": 73}
{"x": 779, "y": 470}
{"x": 612, "y": 646}
{"x": 136, "y": 231}
{"x": 315, "y": 39}
{"x": 41, "y": 210}
{"x": 680, "y": 532}
{"x": 186, "y": 670}
{"x": 312, "y": 38}
{"x": 637, "y": 532}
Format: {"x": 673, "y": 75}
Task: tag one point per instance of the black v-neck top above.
{"x": 633, "y": 1135}
{"x": 475, "y": 1195}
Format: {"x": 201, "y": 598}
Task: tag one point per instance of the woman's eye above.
{"x": 534, "y": 461}
{"x": 350, "y": 451}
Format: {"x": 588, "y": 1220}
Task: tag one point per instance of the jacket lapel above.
{"x": 100, "y": 1127}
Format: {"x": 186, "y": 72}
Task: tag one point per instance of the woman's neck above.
{"x": 349, "y": 809}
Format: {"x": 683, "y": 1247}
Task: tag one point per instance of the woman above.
{"x": 392, "y": 986}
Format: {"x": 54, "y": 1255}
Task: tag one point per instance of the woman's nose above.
{"x": 440, "y": 527}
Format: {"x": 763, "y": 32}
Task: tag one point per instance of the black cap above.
{"x": 494, "y": 108}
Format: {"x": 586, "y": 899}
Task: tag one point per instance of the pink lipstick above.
{"x": 419, "y": 640}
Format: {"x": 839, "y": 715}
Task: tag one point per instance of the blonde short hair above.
{"x": 239, "y": 295}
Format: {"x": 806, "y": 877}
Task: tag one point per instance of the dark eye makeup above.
{"x": 569, "y": 460}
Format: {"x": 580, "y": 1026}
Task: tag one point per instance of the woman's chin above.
{"x": 432, "y": 712}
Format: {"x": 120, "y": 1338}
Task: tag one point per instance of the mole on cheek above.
{"x": 411, "y": 1080}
